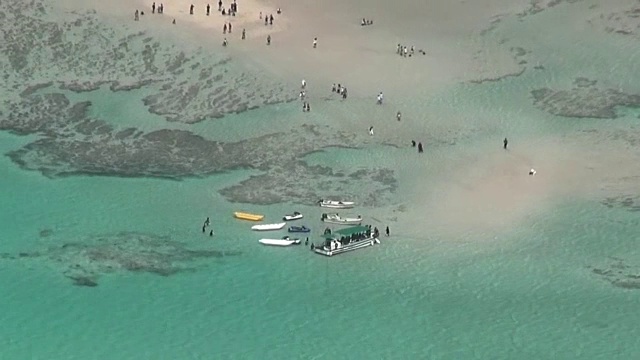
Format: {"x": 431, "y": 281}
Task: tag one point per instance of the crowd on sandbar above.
{"x": 408, "y": 51}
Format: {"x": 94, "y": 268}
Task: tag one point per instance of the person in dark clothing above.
{"x": 243, "y": 34}
{"x": 191, "y": 9}
{"x": 203, "y": 227}
{"x": 387, "y": 231}
{"x": 211, "y": 233}
{"x": 153, "y": 8}
{"x": 505, "y": 143}
{"x": 208, "y": 9}
{"x": 413, "y": 143}
{"x": 420, "y": 149}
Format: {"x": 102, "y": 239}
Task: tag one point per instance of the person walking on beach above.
{"x": 153, "y": 8}
{"x": 207, "y": 222}
{"x": 224, "y": 28}
{"x": 191, "y": 9}
{"x": 413, "y": 143}
{"x": 304, "y": 83}
{"x": 203, "y": 228}
{"x": 136, "y": 16}
{"x": 208, "y": 9}
{"x": 174, "y": 21}
{"x": 219, "y": 5}
{"x": 211, "y": 233}
{"x": 398, "y": 116}
{"x": 505, "y": 143}
{"x": 371, "y": 130}
{"x": 315, "y": 42}
{"x": 268, "y": 39}
{"x": 243, "y": 34}
{"x": 387, "y": 231}
{"x": 225, "y": 42}
{"x": 271, "y": 19}
{"x": 420, "y": 149}
{"x": 161, "y": 9}
{"x": 229, "y": 28}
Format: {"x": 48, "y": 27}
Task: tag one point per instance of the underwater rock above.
{"x": 85, "y": 261}
{"x": 619, "y": 273}
{"x": 585, "y": 100}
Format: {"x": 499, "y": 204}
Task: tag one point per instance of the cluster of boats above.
{"x": 348, "y": 239}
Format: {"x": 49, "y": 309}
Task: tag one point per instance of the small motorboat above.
{"x": 248, "y": 216}
{"x": 337, "y": 219}
{"x": 299, "y": 229}
{"x": 285, "y": 241}
{"x": 295, "y": 216}
{"x": 334, "y": 204}
{"x": 267, "y": 227}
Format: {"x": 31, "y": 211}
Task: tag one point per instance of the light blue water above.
{"x": 529, "y": 293}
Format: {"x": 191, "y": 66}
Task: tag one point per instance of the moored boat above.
{"x": 335, "y": 204}
{"x": 337, "y": 219}
{"x": 285, "y": 241}
{"x": 299, "y": 229}
{"x": 295, "y": 216}
{"x": 267, "y": 227}
{"x": 349, "y": 239}
{"x": 248, "y": 216}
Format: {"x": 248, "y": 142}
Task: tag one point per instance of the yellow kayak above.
{"x": 248, "y": 216}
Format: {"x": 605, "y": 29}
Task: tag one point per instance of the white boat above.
{"x": 345, "y": 240}
{"x": 267, "y": 227}
{"x": 335, "y": 204}
{"x": 337, "y": 219}
{"x": 285, "y": 241}
{"x": 295, "y": 216}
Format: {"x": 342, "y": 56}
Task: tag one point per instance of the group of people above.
{"x": 341, "y": 90}
{"x": 205, "y": 225}
{"x": 366, "y": 22}
{"x": 420, "y": 148}
{"x": 408, "y": 52}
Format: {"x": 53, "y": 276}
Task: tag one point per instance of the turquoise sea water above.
{"x": 528, "y": 293}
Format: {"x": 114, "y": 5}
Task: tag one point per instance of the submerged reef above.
{"x": 83, "y": 54}
{"x": 619, "y": 272}
{"x": 584, "y": 100}
{"x": 85, "y": 261}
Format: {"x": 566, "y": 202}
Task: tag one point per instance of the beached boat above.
{"x": 334, "y": 204}
{"x": 337, "y": 219}
{"x": 299, "y": 229}
{"x": 285, "y": 241}
{"x": 248, "y": 216}
{"x": 295, "y": 216}
{"x": 268, "y": 227}
{"x": 348, "y": 239}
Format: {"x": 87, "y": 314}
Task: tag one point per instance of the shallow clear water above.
{"x": 529, "y": 293}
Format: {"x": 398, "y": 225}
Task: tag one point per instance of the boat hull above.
{"x": 291, "y": 218}
{"x": 268, "y": 227}
{"x": 248, "y": 216}
{"x": 278, "y": 242}
{"x": 336, "y": 206}
{"x": 293, "y": 229}
{"x": 343, "y": 222}
{"x": 346, "y": 248}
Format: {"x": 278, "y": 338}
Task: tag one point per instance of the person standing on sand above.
{"x": 153, "y": 8}
{"x": 224, "y": 28}
{"x": 174, "y": 21}
{"x": 161, "y": 9}
{"x": 371, "y": 130}
{"x": 191, "y": 9}
{"x": 315, "y": 42}
{"x": 229, "y": 28}
{"x": 208, "y": 9}
{"x": 387, "y": 231}
{"x": 136, "y": 16}
{"x": 420, "y": 149}
{"x": 243, "y": 34}
{"x": 268, "y": 39}
{"x": 271, "y": 19}
{"x": 505, "y": 143}
{"x": 399, "y": 116}
{"x": 413, "y": 143}
{"x": 304, "y": 84}
{"x": 219, "y": 5}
